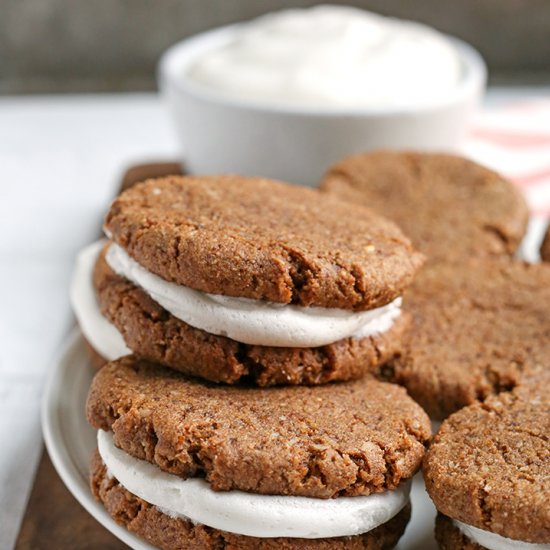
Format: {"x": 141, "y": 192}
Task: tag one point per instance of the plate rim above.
{"x": 58, "y": 451}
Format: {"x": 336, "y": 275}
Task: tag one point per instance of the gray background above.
{"x": 112, "y": 45}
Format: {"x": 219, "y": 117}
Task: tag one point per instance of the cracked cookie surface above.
{"x": 351, "y": 438}
{"x": 154, "y": 334}
{"x": 476, "y": 330}
{"x": 170, "y": 533}
{"x": 450, "y": 207}
{"x": 489, "y": 464}
{"x": 262, "y": 239}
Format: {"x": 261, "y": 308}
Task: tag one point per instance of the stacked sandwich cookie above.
{"x": 189, "y": 464}
{"x": 233, "y": 279}
{"x": 240, "y": 299}
{"x": 488, "y": 473}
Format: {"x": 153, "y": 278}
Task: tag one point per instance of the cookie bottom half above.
{"x": 172, "y": 533}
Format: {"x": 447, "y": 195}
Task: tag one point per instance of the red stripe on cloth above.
{"x": 528, "y": 105}
{"x": 510, "y": 139}
{"x": 542, "y": 211}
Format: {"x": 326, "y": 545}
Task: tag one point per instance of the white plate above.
{"x": 71, "y": 441}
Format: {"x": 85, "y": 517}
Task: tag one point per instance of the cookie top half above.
{"x": 261, "y": 239}
{"x": 489, "y": 465}
{"x": 353, "y": 438}
{"x": 477, "y": 330}
{"x": 450, "y": 207}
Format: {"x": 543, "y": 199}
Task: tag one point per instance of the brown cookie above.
{"x": 262, "y": 239}
{"x": 450, "y": 207}
{"x": 545, "y": 248}
{"x": 450, "y": 537}
{"x": 168, "y": 533}
{"x": 352, "y": 438}
{"x": 477, "y": 330}
{"x": 154, "y": 334}
{"x": 489, "y": 465}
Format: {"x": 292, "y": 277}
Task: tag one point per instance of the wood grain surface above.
{"x": 53, "y": 518}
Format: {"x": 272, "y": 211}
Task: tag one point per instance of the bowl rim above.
{"x": 173, "y": 62}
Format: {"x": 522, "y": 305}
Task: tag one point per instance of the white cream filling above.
{"x": 492, "y": 541}
{"x": 249, "y": 514}
{"x": 255, "y": 322}
{"x": 331, "y": 57}
{"x": 103, "y": 336}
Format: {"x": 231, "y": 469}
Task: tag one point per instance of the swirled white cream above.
{"x": 248, "y": 513}
{"x": 254, "y": 322}
{"x": 99, "y": 332}
{"x": 492, "y": 541}
{"x": 331, "y": 57}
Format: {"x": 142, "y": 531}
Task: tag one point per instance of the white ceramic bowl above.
{"x": 225, "y": 135}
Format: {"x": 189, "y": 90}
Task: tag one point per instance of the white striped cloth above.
{"x": 514, "y": 140}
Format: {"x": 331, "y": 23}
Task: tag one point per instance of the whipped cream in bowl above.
{"x": 331, "y": 57}
{"x": 306, "y": 87}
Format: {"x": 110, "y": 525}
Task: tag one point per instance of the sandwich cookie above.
{"x": 450, "y": 207}
{"x": 545, "y": 248}
{"x": 182, "y": 461}
{"x": 233, "y": 278}
{"x": 477, "y": 331}
{"x": 488, "y": 473}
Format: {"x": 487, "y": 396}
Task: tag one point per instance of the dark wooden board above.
{"x": 53, "y": 518}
